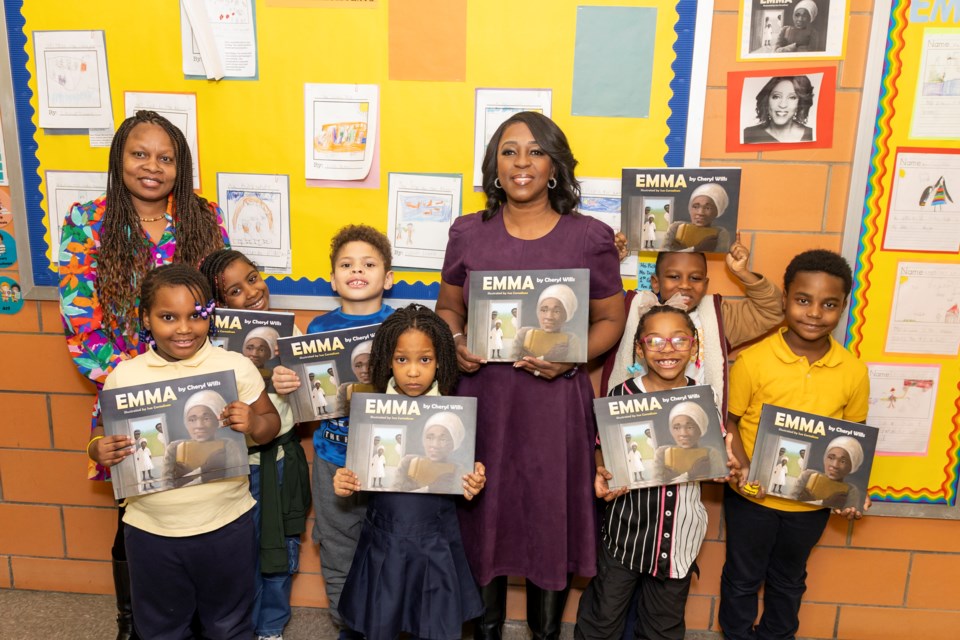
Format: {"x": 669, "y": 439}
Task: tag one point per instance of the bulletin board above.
{"x": 902, "y": 233}
{"x": 257, "y": 125}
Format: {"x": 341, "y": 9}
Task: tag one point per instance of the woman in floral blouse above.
{"x": 149, "y": 217}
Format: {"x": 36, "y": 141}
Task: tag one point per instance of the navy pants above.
{"x": 770, "y": 548}
{"x": 211, "y": 574}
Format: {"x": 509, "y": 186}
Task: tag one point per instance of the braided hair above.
{"x": 215, "y": 264}
{"x": 174, "y": 275}
{"x": 419, "y": 317}
{"x": 124, "y": 254}
{"x": 654, "y": 311}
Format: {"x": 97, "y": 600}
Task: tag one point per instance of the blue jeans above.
{"x": 271, "y": 604}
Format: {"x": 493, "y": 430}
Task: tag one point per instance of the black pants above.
{"x": 770, "y": 548}
{"x": 606, "y": 600}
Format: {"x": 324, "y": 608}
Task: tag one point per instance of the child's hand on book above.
{"x": 620, "y": 240}
{"x": 601, "y": 485}
{"x": 109, "y": 450}
{"x": 238, "y": 416}
{"x": 851, "y": 513}
{"x": 285, "y": 381}
{"x": 473, "y": 483}
{"x": 345, "y": 482}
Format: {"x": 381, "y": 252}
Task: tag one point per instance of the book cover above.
{"x": 178, "y": 437}
{"x": 544, "y": 314}
{"x": 254, "y": 334}
{"x": 663, "y": 437}
{"x": 412, "y": 445}
{"x": 330, "y": 364}
{"x": 680, "y": 209}
{"x": 813, "y": 459}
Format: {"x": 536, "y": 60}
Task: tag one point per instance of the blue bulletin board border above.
{"x": 677, "y": 124}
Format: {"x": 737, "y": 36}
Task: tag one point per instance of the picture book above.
{"x": 662, "y": 437}
{"x": 813, "y": 459}
{"x": 254, "y": 334}
{"x": 412, "y": 445}
{"x": 178, "y": 437}
{"x": 680, "y": 209}
{"x": 330, "y": 365}
{"x": 544, "y": 314}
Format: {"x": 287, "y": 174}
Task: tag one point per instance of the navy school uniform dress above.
{"x": 410, "y": 571}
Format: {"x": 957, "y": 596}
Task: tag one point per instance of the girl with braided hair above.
{"x": 149, "y": 217}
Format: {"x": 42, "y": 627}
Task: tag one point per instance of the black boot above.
{"x": 545, "y": 610}
{"x": 121, "y": 584}
{"x": 489, "y": 626}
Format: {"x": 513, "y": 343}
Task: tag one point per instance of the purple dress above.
{"x": 536, "y": 516}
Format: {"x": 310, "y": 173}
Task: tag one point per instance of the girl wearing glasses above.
{"x": 650, "y": 537}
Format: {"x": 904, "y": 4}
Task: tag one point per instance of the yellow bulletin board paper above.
{"x": 905, "y": 280}
{"x": 257, "y": 126}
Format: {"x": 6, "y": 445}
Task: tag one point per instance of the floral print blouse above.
{"x": 96, "y": 348}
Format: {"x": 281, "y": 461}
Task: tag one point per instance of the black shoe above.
{"x": 489, "y": 626}
{"x": 121, "y": 584}
{"x": 545, "y": 611}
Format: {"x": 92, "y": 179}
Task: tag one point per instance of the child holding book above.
{"x": 410, "y": 572}
{"x": 190, "y": 549}
{"x": 279, "y": 476}
{"x": 360, "y": 259}
{"x": 681, "y": 279}
{"x": 801, "y": 367}
{"x": 650, "y": 537}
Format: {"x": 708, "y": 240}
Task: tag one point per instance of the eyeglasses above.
{"x": 679, "y": 343}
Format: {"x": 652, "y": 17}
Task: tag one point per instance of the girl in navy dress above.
{"x": 410, "y": 572}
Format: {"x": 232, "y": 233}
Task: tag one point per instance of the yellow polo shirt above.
{"x": 837, "y": 385}
{"x": 189, "y": 511}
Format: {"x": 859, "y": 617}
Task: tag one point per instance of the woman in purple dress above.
{"x": 535, "y": 428}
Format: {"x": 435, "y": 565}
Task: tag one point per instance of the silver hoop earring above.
{"x": 552, "y": 183}
{"x": 496, "y": 183}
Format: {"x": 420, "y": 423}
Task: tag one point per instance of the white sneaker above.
{"x": 269, "y": 637}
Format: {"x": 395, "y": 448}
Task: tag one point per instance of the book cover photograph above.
{"x": 330, "y": 365}
{"x": 680, "y": 209}
{"x": 544, "y": 314}
{"x": 813, "y": 459}
{"x": 412, "y": 445}
{"x": 254, "y": 334}
{"x": 178, "y": 437}
{"x": 662, "y": 437}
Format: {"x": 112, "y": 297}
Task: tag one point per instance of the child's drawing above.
{"x": 254, "y": 218}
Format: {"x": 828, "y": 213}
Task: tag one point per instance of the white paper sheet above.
{"x": 64, "y": 188}
{"x": 341, "y": 127}
{"x": 73, "y": 88}
{"x": 902, "y": 401}
{"x": 101, "y": 137}
{"x": 923, "y": 215}
{"x": 218, "y": 38}
{"x": 256, "y": 209}
{"x": 496, "y": 105}
{"x": 936, "y": 103}
{"x": 925, "y": 317}
{"x": 421, "y": 208}
{"x": 600, "y": 199}
{"x": 178, "y": 108}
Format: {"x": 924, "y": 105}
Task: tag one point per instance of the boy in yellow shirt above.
{"x": 801, "y": 367}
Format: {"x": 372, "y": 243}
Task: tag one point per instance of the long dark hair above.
{"x": 124, "y": 254}
{"x": 213, "y": 266}
{"x": 804, "y": 89}
{"x": 419, "y": 317}
{"x": 565, "y": 197}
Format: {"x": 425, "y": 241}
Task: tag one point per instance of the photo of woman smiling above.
{"x": 783, "y": 106}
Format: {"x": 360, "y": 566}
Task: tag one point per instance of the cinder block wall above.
{"x": 879, "y": 578}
